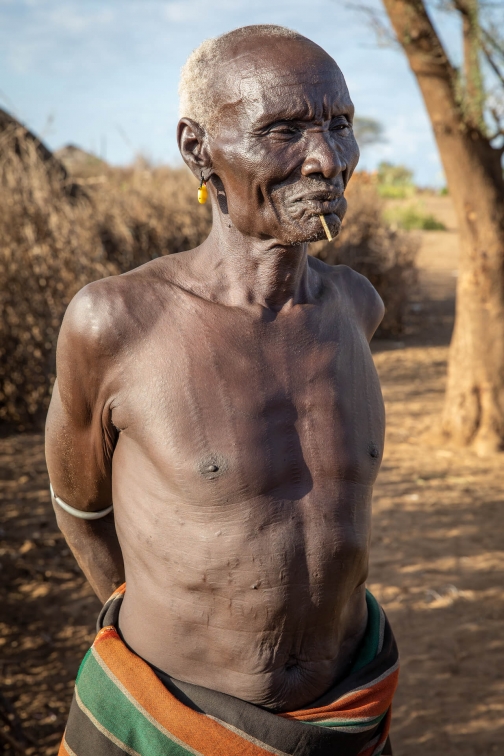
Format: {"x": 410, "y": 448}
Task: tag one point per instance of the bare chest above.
{"x": 238, "y": 411}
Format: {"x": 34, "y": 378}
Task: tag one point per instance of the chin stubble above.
{"x": 318, "y": 234}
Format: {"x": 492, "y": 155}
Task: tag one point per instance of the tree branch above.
{"x": 384, "y": 35}
{"x": 474, "y": 94}
{"x": 492, "y": 63}
{"x": 415, "y": 32}
{"x": 491, "y": 39}
{"x": 437, "y": 78}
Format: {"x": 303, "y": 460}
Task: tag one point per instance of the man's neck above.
{"x": 248, "y": 271}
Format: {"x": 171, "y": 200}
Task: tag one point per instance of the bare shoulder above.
{"x": 108, "y": 315}
{"x": 102, "y": 323}
{"x": 358, "y": 291}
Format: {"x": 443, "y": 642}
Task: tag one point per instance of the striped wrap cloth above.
{"x": 122, "y": 705}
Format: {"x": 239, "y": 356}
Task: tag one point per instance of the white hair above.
{"x": 197, "y": 93}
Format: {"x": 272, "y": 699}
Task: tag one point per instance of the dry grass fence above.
{"x": 58, "y": 232}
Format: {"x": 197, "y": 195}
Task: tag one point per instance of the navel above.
{"x": 292, "y": 663}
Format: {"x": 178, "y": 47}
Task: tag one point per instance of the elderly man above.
{"x": 223, "y": 401}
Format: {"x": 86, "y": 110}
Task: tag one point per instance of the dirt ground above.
{"x": 437, "y": 561}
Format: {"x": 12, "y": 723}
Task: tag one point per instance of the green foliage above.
{"x": 367, "y": 131}
{"x": 413, "y": 218}
{"x": 395, "y": 181}
{"x": 395, "y": 192}
{"x": 394, "y": 175}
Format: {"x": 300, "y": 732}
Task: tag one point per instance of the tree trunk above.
{"x": 474, "y": 403}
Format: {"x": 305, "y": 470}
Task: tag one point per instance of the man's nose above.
{"x": 322, "y": 157}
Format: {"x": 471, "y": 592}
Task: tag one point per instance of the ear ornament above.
{"x": 202, "y": 191}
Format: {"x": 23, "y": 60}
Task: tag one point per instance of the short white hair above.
{"x": 197, "y": 93}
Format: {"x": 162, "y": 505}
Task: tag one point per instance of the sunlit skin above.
{"x": 225, "y": 398}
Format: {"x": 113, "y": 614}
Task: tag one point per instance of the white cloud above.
{"x": 186, "y": 12}
{"x": 21, "y": 57}
{"x": 43, "y": 36}
{"x": 71, "y": 18}
{"x": 176, "y": 13}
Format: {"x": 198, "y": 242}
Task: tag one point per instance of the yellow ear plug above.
{"x": 325, "y": 227}
{"x": 202, "y": 192}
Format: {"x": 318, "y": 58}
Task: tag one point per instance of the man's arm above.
{"x": 80, "y": 439}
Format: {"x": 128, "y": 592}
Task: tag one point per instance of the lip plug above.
{"x": 325, "y": 227}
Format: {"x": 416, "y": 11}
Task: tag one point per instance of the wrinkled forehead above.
{"x": 276, "y": 78}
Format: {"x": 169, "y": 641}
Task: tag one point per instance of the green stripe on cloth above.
{"x": 109, "y": 736}
{"x": 83, "y": 664}
{"x": 369, "y": 647}
{"x": 119, "y": 716}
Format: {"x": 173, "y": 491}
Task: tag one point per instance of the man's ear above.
{"x": 193, "y": 146}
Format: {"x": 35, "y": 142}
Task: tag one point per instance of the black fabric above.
{"x": 387, "y": 748}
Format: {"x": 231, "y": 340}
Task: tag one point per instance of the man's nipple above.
{"x": 212, "y": 467}
{"x": 374, "y": 451}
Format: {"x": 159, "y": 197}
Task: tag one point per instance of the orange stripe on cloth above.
{"x": 118, "y": 592}
{"x": 367, "y": 703}
{"x": 64, "y": 749}
{"x": 191, "y": 727}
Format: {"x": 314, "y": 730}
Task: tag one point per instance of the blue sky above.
{"x": 103, "y": 74}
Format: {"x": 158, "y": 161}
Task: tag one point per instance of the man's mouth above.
{"x": 317, "y": 203}
{"x": 320, "y": 196}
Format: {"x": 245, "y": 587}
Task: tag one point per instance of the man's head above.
{"x": 266, "y": 115}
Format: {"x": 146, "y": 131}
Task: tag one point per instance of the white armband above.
{"x": 79, "y": 512}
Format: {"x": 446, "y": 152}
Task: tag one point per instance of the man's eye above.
{"x": 284, "y": 130}
{"x": 341, "y": 126}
